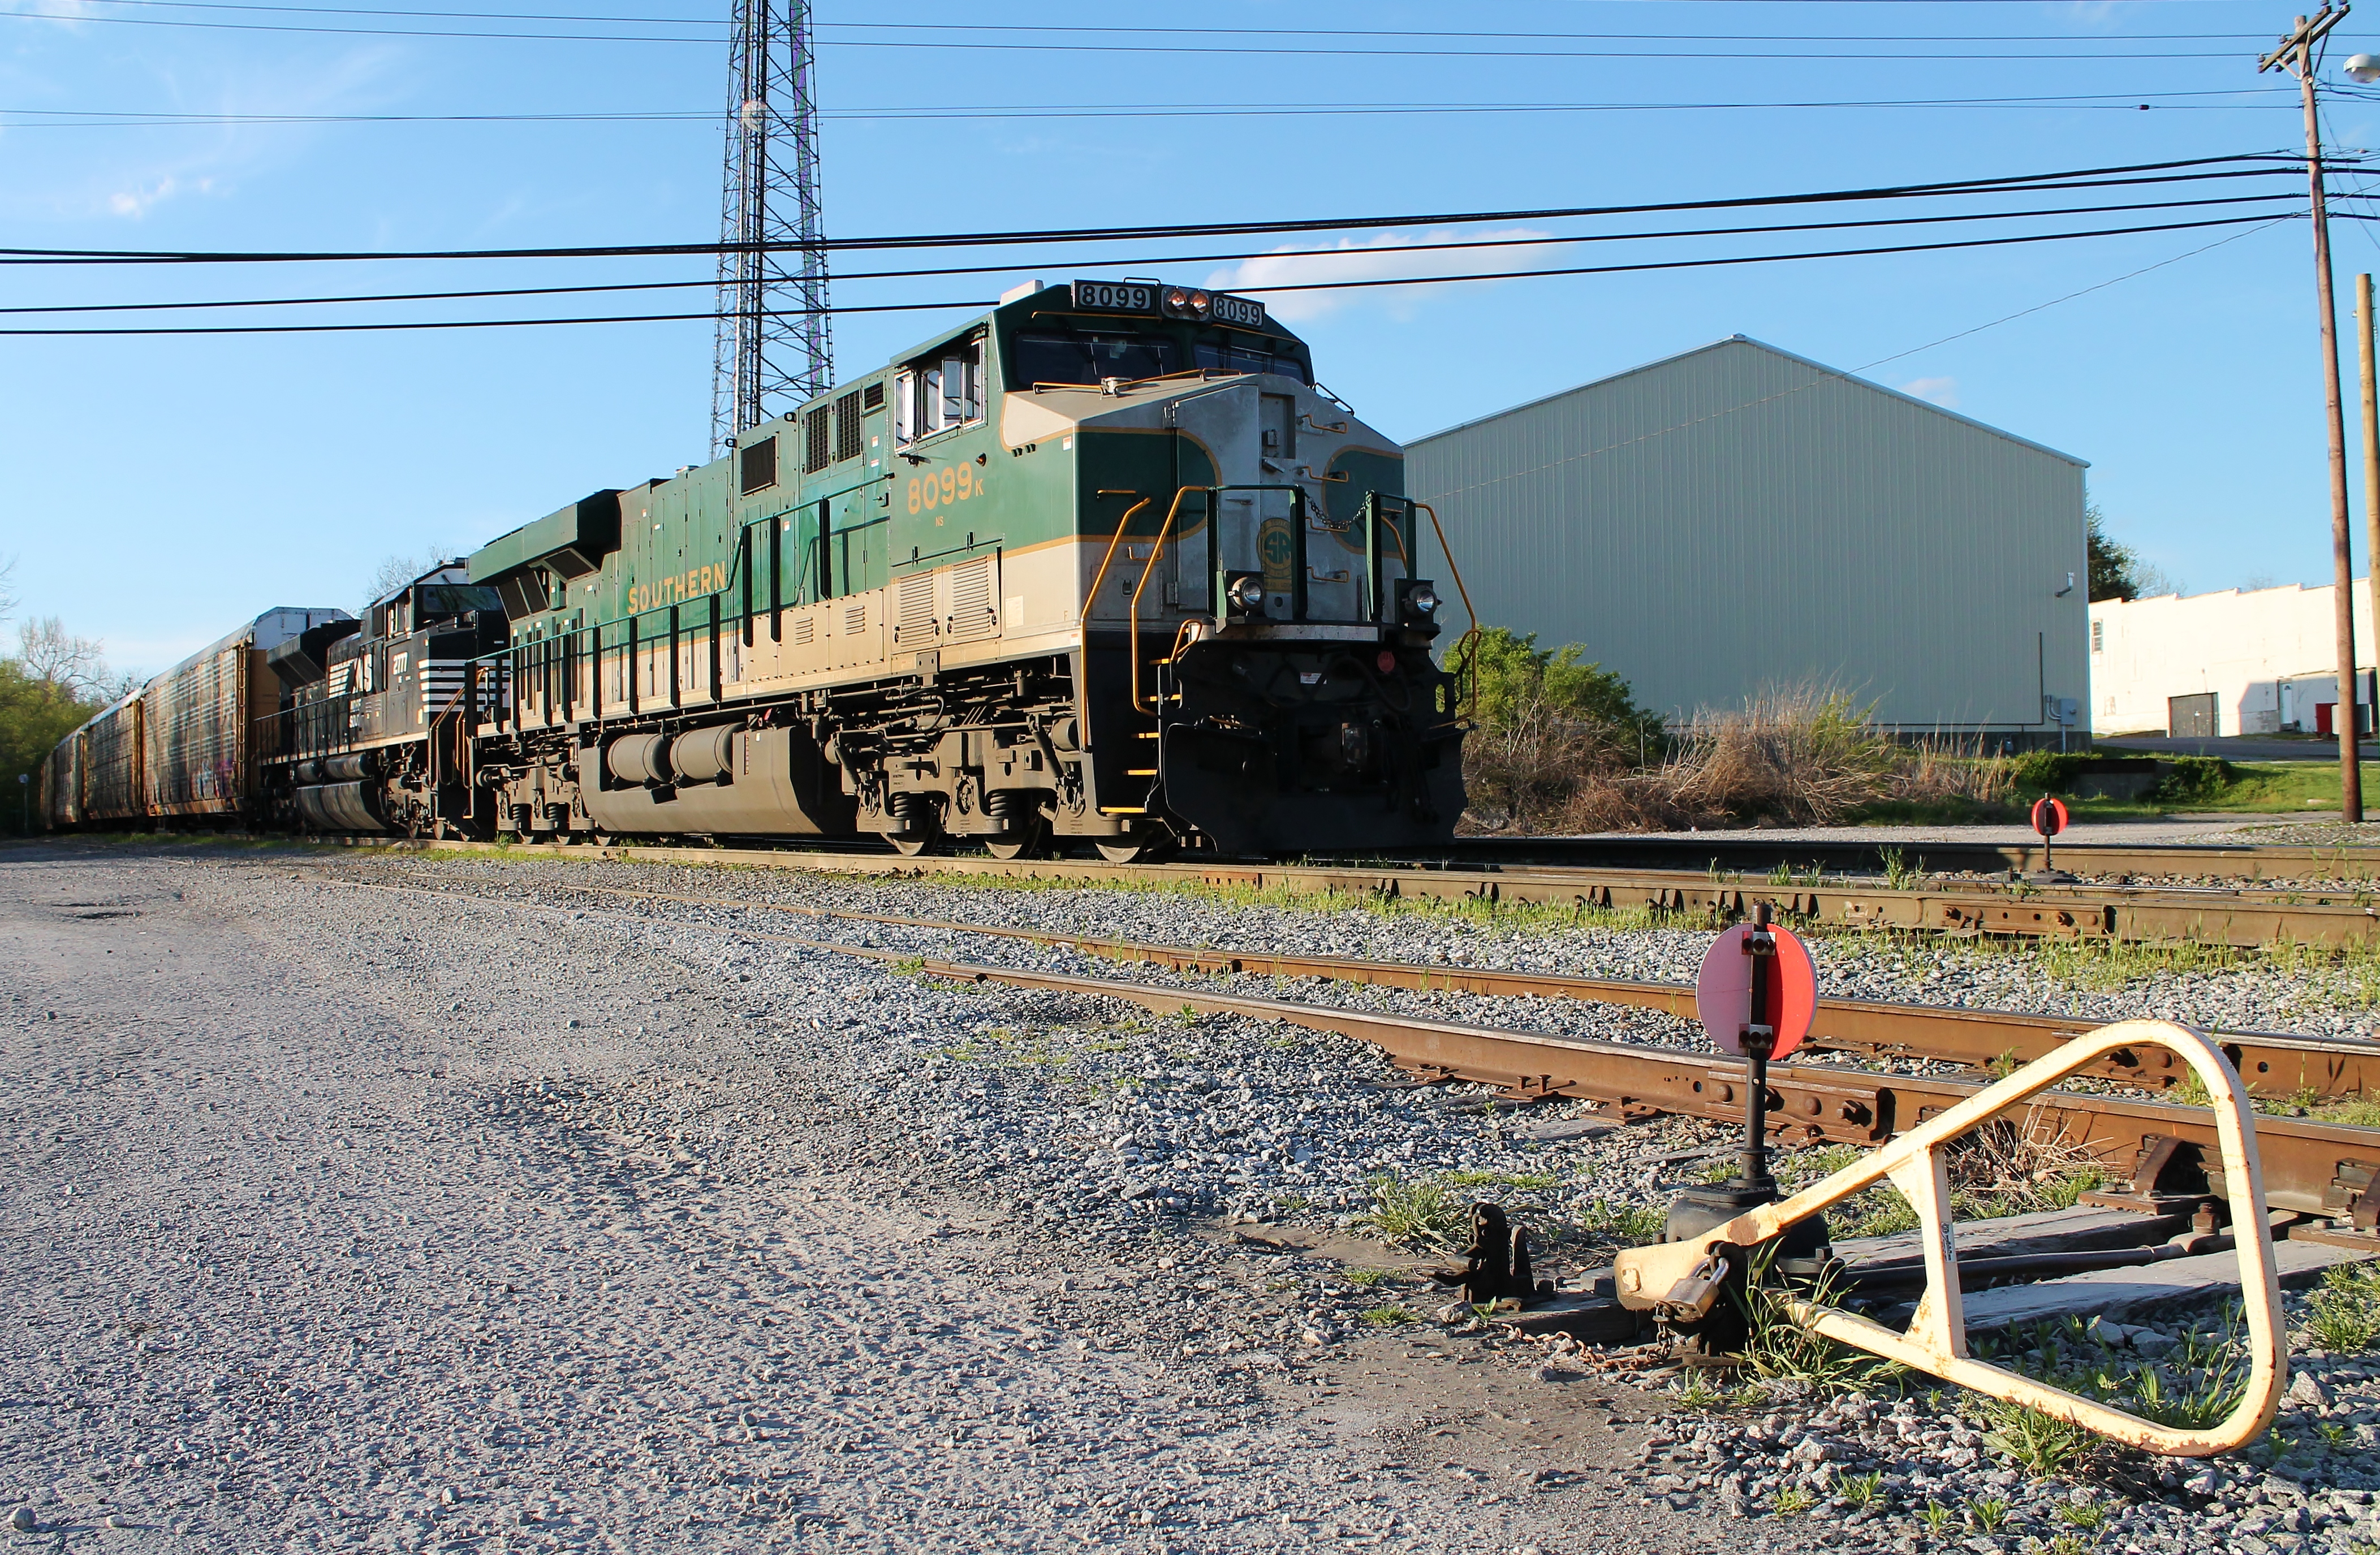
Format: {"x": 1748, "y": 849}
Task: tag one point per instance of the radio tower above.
{"x": 775, "y": 343}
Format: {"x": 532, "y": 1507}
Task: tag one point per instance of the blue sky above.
{"x": 158, "y": 491}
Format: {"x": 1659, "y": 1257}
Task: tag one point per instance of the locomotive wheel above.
{"x": 1031, "y": 843}
{"x": 1133, "y": 852}
{"x": 915, "y": 843}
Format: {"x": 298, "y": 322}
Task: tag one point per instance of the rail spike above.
{"x": 1677, "y": 1277}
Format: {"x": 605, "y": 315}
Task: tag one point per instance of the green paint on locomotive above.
{"x": 855, "y": 505}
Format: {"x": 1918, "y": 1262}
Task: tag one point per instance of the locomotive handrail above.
{"x": 1092, "y": 598}
{"x": 1132, "y": 613}
{"x": 1467, "y": 646}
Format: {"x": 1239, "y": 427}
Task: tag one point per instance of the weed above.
{"x": 1860, "y": 1490}
{"x": 1387, "y": 1317}
{"x": 2345, "y": 1313}
{"x": 1792, "y": 1499}
{"x": 2086, "y": 1515}
{"x": 2041, "y": 1444}
{"x": 1626, "y": 1225}
{"x": 2068, "y": 1544}
{"x": 910, "y": 966}
{"x": 1779, "y": 1349}
{"x": 1697, "y": 1391}
{"x": 1367, "y": 1278}
{"x": 1989, "y": 1513}
{"x": 1936, "y": 1518}
{"x": 1414, "y": 1214}
{"x": 1186, "y": 1015}
{"x": 1899, "y": 873}
{"x": 2333, "y": 1433}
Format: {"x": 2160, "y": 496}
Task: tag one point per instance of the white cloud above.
{"x": 1388, "y": 256}
{"x": 135, "y": 202}
{"x": 1943, "y": 392}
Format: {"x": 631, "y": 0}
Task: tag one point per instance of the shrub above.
{"x": 2193, "y": 780}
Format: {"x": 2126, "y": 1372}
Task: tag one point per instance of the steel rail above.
{"x": 1970, "y": 908}
{"x": 2274, "y": 1062}
{"x": 2312, "y": 1167}
{"x": 1752, "y": 850}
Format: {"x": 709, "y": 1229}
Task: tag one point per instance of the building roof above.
{"x": 1735, "y": 340}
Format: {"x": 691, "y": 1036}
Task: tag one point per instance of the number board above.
{"x": 1226, "y": 310}
{"x": 1114, "y": 296}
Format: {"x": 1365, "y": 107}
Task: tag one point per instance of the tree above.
{"x": 47, "y": 652}
{"x": 395, "y": 572}
{"x": 1548, "y": 723}
{"x": 2114, "y": 566}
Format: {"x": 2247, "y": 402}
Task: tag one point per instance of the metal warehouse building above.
{"x": 1738, "y": 516}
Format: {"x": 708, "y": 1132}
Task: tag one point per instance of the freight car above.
{"x": 184, "y": 749}
{"x": 1105, "y": 566}
{"x": 1106, "y": 563}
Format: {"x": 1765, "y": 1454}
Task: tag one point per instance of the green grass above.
{"x": 2345, "y": 1313}
{"x": 2247, "y": 788}
{"x": 1794, "y": 1499}
{"x": 1935, "y": 1519}
{"x": 2086, "y": 1515}
{"x": 1367, "y": 1278}
{"x": 1989, "y": 1513}
{"x": 1387, "y": 1317}
{"x": 1420, "y": 1214}
{"x": 1861, "y": 1489}
{"x": 1623, "y": 1226}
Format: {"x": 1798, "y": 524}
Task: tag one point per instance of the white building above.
{"x": 2263, "y": 662}
{"x": 1738, "y": 517}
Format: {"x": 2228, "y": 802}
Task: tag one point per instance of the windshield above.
{"x": 1231, "y": 356}
{"x": 1089, "y": 358}
{"x": 443, "y": 602}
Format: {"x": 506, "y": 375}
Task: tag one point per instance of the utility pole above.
{"x": 2296, "y": 55}
{"x": 2364, "y": 360}
{"x": 775, "y": 343}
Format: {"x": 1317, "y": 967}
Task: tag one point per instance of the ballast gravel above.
{"x": 344, "y": 1209}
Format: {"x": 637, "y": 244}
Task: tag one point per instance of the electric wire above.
{"x": 1196, "y": 31}
{"x": 99, "y": 118}
{"x": 2098, "y": 177}
{"x": 1772, "y": 56}
{"x": 1110, "y": 263}
{"x": 711, "y": 316}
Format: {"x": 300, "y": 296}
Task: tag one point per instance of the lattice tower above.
{"x": 775, "y": 343}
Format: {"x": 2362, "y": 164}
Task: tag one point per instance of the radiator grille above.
{"x": 913, "y": 621}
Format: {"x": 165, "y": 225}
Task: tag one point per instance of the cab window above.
{"x": 941, "y": 392}
{"x": 1092, "y": 358}
{"x": 1231, "y": 356}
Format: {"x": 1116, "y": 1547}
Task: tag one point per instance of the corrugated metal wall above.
{"x": 1739, "y": 516}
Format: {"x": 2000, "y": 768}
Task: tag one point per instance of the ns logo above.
{"x": 1276, "y": 551}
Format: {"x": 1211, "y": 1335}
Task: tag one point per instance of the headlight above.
{"x": 1183, "y": 302}
{"x": 1247, "y": 595}
{"x": 1423, "y": 601}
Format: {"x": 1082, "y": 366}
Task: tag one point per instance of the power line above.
{"x": 1265, "y": 290}
{"x": 2094, "y": 178}
{"x": 1111, "y": 263}
{"x": 89, "y": 119}
{"x": 1210, "y": 32}
{"x": 1241, "y": 51}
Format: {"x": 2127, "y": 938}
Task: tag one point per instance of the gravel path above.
{"x": 345, "y": 1218}
{"x": 344, "y": 1208}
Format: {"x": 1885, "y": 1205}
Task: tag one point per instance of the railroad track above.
{"x": 2237, "y": 916}
{"x": 2275, "y": 1064}
{"x": 2161, "y": 1154}
{"x": 1752, "y": 851}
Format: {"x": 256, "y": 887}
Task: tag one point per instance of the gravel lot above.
{"x": 342, "y": 1217}
{"x": 345, "y": 1209}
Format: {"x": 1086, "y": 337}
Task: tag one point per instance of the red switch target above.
{"x": 1723, "y": 992}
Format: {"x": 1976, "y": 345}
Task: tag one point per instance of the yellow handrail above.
{"x": 1132, "y": 619}
{"x": 1092, "y": 599}
{"x": 1470, "y": 635}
